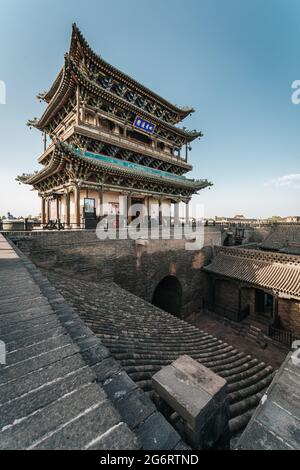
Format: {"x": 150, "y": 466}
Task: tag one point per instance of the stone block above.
{"x": 199, "y": 396}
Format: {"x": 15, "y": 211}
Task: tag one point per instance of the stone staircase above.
{"x": 248, "y": 330}
{"x": 256, "y": 335}
{"x": 144, "y": 338}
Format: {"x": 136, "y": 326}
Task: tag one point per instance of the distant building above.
{"x": 242, "y": 220}
{"x": 237, "y": 220}
{"x": 292, "y": 219}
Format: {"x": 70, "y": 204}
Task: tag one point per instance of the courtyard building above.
{"x": 263, "y": 287}
{"x": 259, "y": 282}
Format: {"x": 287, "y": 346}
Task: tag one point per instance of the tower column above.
{"x": 144, "y": 211}
{"x": 57, "y": 208}
{"x": 68, "y": 218}
{"x": 77, "y": 206}
{"x": 148, "y": 212}
{"x": 100, "y": 202}
{"x": 129, "y": 217}
{"x": 187, "y": 212}
{"x": 160, "y": 219}
{"x": 48, "y": 210}
{"x": 43, "y": 212}
{"x": 176, "y": 214}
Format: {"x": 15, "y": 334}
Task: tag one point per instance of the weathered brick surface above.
{"x": 276, "y": 422}
{"x": 136, "y": 267}
{"x": 166, "y": 439}
{"x": 289, "y": 314}
{"x": 248, "y": 299}
{"x": 226, "y": 299}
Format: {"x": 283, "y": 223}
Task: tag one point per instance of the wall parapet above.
{"x": 275, "y": 424}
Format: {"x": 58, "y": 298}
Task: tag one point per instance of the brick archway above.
{"x": 168, "y": 295}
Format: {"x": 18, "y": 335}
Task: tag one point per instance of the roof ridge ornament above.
{"x": 41, "y": 96}
{"x": 32, "y": 122}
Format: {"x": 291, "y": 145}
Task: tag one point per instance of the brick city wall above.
{"x": 140, "y": 266}
{"x": 137, "y": 266}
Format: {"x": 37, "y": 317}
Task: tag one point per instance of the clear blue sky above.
{"x": 232, "y": 60}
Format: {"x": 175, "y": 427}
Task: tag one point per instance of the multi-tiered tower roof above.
{"x": 108, "y": 134}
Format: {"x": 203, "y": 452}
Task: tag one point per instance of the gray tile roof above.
{"x": 283, "y": 236}
{"x": 143, "y": 339}
{"x": 274, "y": 271}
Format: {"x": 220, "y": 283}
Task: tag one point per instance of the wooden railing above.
{"x": 282, "y": 336}
{"x": 132, "y": 144}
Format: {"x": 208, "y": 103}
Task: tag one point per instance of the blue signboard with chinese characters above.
{"x": 143, "y": 125}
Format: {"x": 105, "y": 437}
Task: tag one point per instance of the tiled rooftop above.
{"x": 143, "y": 339}
{"x": 274, "y": 271}
{"x": 284, "y": 237}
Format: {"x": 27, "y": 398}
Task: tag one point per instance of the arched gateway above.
{"x": 168, "y": 295}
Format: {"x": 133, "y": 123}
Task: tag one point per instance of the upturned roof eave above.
{"x": 71, "y": 70}
{"x": 62, "y": 92}
{"x": 48, "y": 95}
{"x": 195, "y": 185}
{"x": 78, "y": 36}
